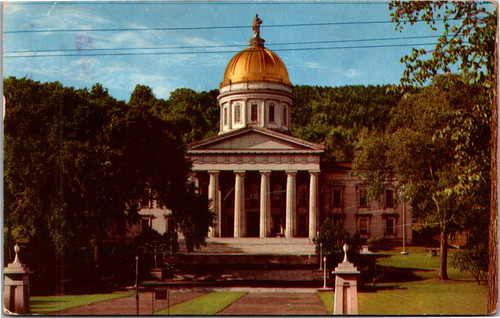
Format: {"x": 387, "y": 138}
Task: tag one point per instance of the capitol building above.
{"x": 265, "y": 183}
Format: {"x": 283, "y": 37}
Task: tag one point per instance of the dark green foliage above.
{"x": 77, "y": 161}
{"x": 332, "y": 238}
{"x": 437, "y": 143}
{"x": 156, "y": 245}
{"x": 195, "y": 115}
{"x": 474, "y": 260}
{"x": 336, "y": 116}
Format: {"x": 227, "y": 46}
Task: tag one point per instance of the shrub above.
{"x": 475, "y": 260}
{"x": 332, "y": 237}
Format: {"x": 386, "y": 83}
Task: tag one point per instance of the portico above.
{"x": 262, "y": 183}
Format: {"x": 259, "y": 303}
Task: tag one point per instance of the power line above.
{"x": 222, "y": 2}
{"x": 219, "y": 46}
{"x": 202, "y": 27}
{"x": 219, "y": 52}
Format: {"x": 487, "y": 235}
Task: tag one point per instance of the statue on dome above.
{"x": 256, "y": 27}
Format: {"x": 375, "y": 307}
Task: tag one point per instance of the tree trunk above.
{"x": 443, "y": 249}
{"x": 493, "y": 230}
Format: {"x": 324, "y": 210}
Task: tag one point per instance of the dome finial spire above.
{"x": 256, "y": 40}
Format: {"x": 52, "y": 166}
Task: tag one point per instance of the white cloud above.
{"x": 351, "y": 73}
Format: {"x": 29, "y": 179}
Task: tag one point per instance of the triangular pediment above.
{"x": 254, "y": 140}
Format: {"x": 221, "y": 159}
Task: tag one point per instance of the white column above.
{"x": 244, "y": 112}
{"x": 291, "y": 199}
{"x": 230, "y": 115}
{"x": 262, "y": 118}
{"x": 313, "y": 202}
{"x": 213, "y": 194}
{"x": 265, "y": 202}
{"x": 239, "y": 201}
{"x": 221, "y": 121}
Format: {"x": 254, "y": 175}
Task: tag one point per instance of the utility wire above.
{"x": 203, "y": 27}
{"x": 220, "y": 52}
{"x": 219, "y": 46}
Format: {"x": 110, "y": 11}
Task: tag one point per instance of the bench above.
{"x": 432, "y": 251}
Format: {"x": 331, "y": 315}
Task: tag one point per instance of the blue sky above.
{"x": 197, "y": 53}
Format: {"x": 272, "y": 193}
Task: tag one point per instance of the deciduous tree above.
{"x": 469, "y": 42}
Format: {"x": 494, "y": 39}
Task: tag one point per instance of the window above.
{"x": 284, "y": 116}
{"x": 337, "y": 197}
{"x": 254, "y": 112}
{"x": 363, "y": 225}
{"x": 362, "y": 198}
{"x": 145, "y": 224}
{"x": 389, "y": 198}
{"x": 390, "y": 226}
{"x": 271, "y": 113}
{"x": 225, "y": 116}
{"x": 237, "y": 113}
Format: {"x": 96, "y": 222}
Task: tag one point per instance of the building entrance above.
{"x": 253, "y": 223}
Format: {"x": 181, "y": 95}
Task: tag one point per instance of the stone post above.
{"x": 346, "y": 287}
{"x": 16, "y": 294}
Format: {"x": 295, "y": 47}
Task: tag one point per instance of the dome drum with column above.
{"x": 255, "y": 105}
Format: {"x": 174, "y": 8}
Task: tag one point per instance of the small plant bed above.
{"x": 49, "y": 304}
{"x": 208, "y": 304}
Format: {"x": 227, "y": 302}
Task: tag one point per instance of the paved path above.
{"x": 276, "y": 304}
{"x": 127, "y": 305}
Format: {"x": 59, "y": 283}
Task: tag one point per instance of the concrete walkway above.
{"x": 258, "y": 304}
{"x": 127, "y": 305}
{"x": 258, "y": 301}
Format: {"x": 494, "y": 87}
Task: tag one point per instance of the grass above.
{"x": 208, "y": 304}
{"x": 48, "y": 304}
{"x": 410, "y": 287}
{"x": 421, "y": 293}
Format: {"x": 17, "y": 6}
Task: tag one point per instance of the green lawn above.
{"x": 421, "y": 293}
{"x": 48, "y": 304}
{"x": 208, "y": 304}
{"x": 409, "y": 288}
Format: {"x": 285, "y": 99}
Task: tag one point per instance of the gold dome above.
{"x": 255, "y": 64}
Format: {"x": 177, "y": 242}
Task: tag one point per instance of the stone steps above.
{"x": 256, "y": 246}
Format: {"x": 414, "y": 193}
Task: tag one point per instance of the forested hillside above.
{"x": 334, "y": 116}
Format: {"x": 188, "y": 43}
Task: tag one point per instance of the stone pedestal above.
{"x": 346, "y": 288}
{"x": 16, "y": 295}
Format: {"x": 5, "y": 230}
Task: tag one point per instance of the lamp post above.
{"x": 404, "y": 252}
{"x": 137, "y": 284}
{"x": 320, "y": 256}
{"x": 324, "y": 273}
